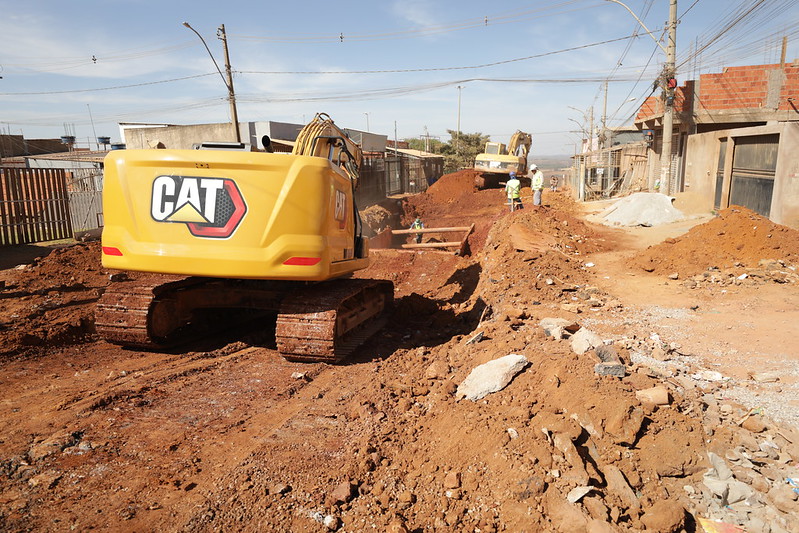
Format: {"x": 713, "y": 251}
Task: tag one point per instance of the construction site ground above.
{"x": 225, "y": 435}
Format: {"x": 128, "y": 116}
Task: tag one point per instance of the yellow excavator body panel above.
{"x": 499, "y": 163}
{"x": 230, "y": 214}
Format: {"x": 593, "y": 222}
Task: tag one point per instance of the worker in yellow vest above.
{"x": 513, "y": 189}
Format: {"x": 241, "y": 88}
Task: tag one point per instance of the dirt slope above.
{"x": 226, "y": 435}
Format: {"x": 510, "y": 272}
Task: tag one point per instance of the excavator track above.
{"x": 323, "y": 322}
{"x": 124, "y": 312}
{"x": 326, "y": 322}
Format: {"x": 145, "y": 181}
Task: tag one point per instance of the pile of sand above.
{"x": 642, "y": 209}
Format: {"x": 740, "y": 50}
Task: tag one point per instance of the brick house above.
{"x": 733, "y": 140}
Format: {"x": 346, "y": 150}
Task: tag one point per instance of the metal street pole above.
{"x": 227, "y": 81}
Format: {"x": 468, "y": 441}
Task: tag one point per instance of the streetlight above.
{"x": 668, "y": 90}
{"x": 234, "y": 115}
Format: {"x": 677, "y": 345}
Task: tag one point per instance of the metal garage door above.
{"x": 753, "y": 168}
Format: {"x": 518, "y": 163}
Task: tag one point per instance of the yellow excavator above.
{"x": 498, "y": 160}
{"x": 240, "y": 231}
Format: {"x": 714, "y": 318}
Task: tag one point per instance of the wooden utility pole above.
{"x": 234, "y": 115}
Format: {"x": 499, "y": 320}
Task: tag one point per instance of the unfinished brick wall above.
{"x": 653, "y": 106}
{"x": 735, "y": 88}
{"x": 748, "y": 88}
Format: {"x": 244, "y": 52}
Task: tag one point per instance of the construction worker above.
{"x": 513, "y": 189}
{"x": 418, "y": 224}
{"x": 536, "y": 183}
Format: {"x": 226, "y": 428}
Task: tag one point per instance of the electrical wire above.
{"x": 487, "y": 20}
{"x": 439, "y": 69}
{"x": 55, "y": 64}
{"x": 143, "y": 84}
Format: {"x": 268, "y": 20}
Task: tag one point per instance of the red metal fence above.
{"x": 34, "y": 205}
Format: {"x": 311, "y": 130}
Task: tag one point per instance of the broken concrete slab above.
{"x": 609, "y": 362}
{"x": 491, "y": 377}
{"x": 583, "y": 340}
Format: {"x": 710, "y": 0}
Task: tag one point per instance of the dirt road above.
{"x": 226, "y": 435}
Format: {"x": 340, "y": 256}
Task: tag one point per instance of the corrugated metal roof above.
{"x": 80, "y": 156}
{"x": 414, "y": 153}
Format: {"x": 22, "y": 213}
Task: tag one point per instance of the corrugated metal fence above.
{"x": 34, "y": 205}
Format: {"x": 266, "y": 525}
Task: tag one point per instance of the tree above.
{"x": 459, "y": 152}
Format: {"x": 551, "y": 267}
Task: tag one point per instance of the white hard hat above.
{"x": 533, "y": 166}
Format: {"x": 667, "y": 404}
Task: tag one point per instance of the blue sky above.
{"x": 81, "y": 67}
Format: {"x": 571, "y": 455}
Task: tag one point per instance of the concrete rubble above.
{"x": 491, "y": 377}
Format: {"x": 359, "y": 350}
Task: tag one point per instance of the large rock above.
{"x": 665, "y": 516}
{"x": 558, "y": 327}
{"x": 624, "y": 424}
{"x": 491, "y": 377}
{"x": 584, "y": 340}
{"x": 617, "y": 485}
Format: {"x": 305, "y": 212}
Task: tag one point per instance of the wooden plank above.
{"x": 428, "y": 230}
{"x": 20, "y": 215}
{"x": 462, "y": 249}
{"x": 63, "y": 197}
{"x": 37, "y": 192}
{"x": 452, "y": 244}
{"x": 5, "y": 229}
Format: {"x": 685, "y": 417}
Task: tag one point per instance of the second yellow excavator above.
{"x": 498, "y": 160}
{"x": 211, "y": 230}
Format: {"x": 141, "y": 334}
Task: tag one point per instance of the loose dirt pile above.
{"x": 738, "y": 237}
{"x": 229, "y": 436}
{"x": 51, "y": 301}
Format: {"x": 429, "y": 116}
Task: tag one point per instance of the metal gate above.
{"x": 34, "y": 206}
{"x": 86, "y": 200}
{"x": 393, "y": 175}
{"x": 720, "y": 173}
{"x": 754, "y": 166}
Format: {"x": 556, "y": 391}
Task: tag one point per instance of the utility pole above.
{"x": 668, "y": 93}
{"x": 608, "y": 178}
{"x": 669, "y": 85}
{"x": 234, "y": 115}
{"x": 458, "y": 131}
{"x": 231, "y": 95}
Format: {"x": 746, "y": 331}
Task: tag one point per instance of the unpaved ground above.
{"x": 226, "y": 435}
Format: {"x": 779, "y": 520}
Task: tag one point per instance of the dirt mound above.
{"x": 98, "y": 436}
{"x": 375, "y": 219}
{"x": 737, "y": 237}
{"x": 51, "y": 301}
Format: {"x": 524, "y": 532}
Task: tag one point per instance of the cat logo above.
{"x": 340, "y": 211}
{"x": 210, "y": 207}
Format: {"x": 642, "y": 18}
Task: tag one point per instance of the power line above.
{"x": 111, "y": 88}
{"x": 438, "y": 69}
{"x": 474, "y": 22}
